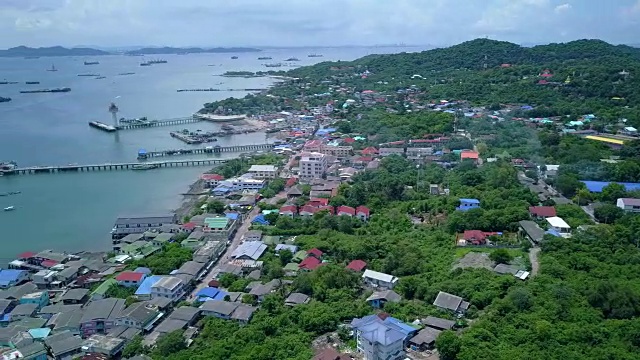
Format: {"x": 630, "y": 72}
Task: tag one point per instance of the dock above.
{"x": 156, "y": 123}
{"x": 109, "y": 166}
{"x": 214, "y": 89}
{"x": 205, "y": 150}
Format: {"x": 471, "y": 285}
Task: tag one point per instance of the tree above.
{"x": 170, "y": 343}
{"x": 215, "y": 207}
{"x": 134, "y": 347}
{"x": 532, "y": 174}
{"x": 285, "y": 256}
{"x": 227, "y": 279}
{"x": 501, "y": 256}
{"x": 612, "y": 192}
{"x": 608, "y": 213}
{"x": 568, "y": 184}
{"x": 448, "y": 345}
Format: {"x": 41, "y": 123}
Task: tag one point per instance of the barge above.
{"x": 102, "y": 126}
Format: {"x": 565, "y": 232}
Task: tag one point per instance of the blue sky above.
{"x": 312, "y": 22}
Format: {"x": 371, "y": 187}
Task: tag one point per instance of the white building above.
{"x": 378, "y": 279}
{"x": 558, "y": 224}
{"x": 312, "y": 166}
{"x": 378, "y": 338}
{"x": 238, "y": 184}
{"x": 629, "y": 205}
{"x": 169, "y": 287}
{"x": 138, "y": 224}
{"x": 263, "y": 171}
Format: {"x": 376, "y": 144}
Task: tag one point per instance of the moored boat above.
{"x": 9, "y": 208}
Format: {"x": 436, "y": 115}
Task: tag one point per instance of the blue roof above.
{"x": 143, "y": 270}
{"x": 232, "y": 216}
{"x": 553, "y": 232}
{"x": 597, "y": 186}
{"x": 145, "y": 287}
{"x": 260, "y": 219}
{"x": 207, "y": 292}
{"x": 5, "y": 318}
{"x": 470, "y": 201}
{"x": 292, "y": 248}
{"x": 39, "y": 333}
{"x": 10, "y": 275}
{"x": 5, "y": 283}
{"x": 142, "y": 152}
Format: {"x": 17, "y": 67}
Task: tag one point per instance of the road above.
{"x": 533, "y": 258}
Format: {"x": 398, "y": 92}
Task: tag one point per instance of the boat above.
{"x": 144, "y": 167}
{"x": 88, "y": 74}
{"x": 9, "y": 208}
{"x": 273, "y": 65}
{"x": 234, "y": 57}
{"x": 265, "y": 58}
{"x": 102, "y": 126}
{"x": 32, "y": 57}
{"x": 292, "y": 59}
{"x": 53, "y": 68}
{"x": 91, "y": 62}
{"x": 157, "y": 61}
{"x": 4, "y": 99}
{"x": 314, "y": 55}
{"x": 8, "y": 82}
{"x": 14, "y": 192}
{"x": 55, "y": 90}
{"x": 127, "y": 73}
{"x": 8, "y": 166}
{"x": 145, "y": 64}
{"x": 101, "y": 77}
{"x": 32, "y": 82}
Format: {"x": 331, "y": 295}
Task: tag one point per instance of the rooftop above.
{"x": 145, "y": 286}
{"x": 75, "y": 294}
{"x": 448, "y": 301}
{"x": 62, "y": 343}
{"x": 167, "y": 282}
{"x": 379, "y": 276}
{"x": 438, "y": 323}
{"x": 109, "y": 308}
{"x": 262, "y": 168}
{"x": 557, "y": 222}
{"x": 130, "y": 276}
{"x": 251, "y": 249}
{"x": 218, "y": 222}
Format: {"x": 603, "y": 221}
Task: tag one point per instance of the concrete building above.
{"x": 263, "y": 171}
{"x": 558, "y": 224}
{"x": 379, "y": 280}
{"x": 169, "y": 287}
{"x": 125, "y": 225}
{"x": 312, "y": 166}
{"x": 391, "y": 151}
{"x": 381, "y": 337}
{"x": 103, "y": 344}
{"x": 140, "y": 315}
{"x": 629, "y": 205}
{"x": 337, "y": 151}
{"x": 100, "y": 316}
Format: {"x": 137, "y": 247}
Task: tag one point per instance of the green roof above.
{"x": 291, "y": 267}
{"x": 300, "y": 255}
{"x": 163, "y": 237}
{"x": 148, "y": 250}
{"x": 267, "y": 212}
{"x": 271, "y": 240}
{"x": 102, "y": 289}
{"x": 190, "y": 243}
{"x": 218, "y": 222}
{"x": 150, "y": 234}
{"x": 132, "y": 249}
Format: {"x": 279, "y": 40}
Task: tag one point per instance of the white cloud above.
{"x": 562, "y": 8}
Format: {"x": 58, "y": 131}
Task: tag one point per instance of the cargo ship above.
{"x": 157, "y": 61}
{"x": 4, "y": 99}
{"x": 265, "y": 58}
{"x": 102, "y": 126}
{"x": 93, "y": 75}
{"x": 292, "y": 59}
{"x": 32, "y": 82}
{"x": 314, "y": 55}
{"x": 91, "y": 62}
{"x": 127, "y": 73}
{"x": 55, "y": 90}
{"x": 273, "y": 65}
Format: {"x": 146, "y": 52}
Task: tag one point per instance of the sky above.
{"x": 114, "y": 23}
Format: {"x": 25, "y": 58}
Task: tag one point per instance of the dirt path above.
{"x": 533, "y": 257}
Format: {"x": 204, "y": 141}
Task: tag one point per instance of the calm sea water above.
{"x": 75, "y": 212}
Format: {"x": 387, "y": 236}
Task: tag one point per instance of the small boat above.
{"x": 9, "y": 208}
{"x": 14, "y": 192}
{"x": 145, "y": 64}
{"x": 265, "y": 58}
{"x": 32, "y": 82}
{"x": 314, "y": 55}
{"x": 91, "y": 62}
{"x": 101, "y": 77}
{"x": 144, "y": 167}
{"x": 292, "y": 59}
{"x": 234, "y": 57}
{"x": 53, "y": 68}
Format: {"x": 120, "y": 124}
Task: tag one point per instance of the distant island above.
{"x": 192, "y": 50}
{"x": 24, "y": 51}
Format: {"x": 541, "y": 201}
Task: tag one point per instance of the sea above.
{"x": 75, "y": 211}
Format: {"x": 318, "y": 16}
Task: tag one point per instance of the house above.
{"x": 228, "y": 310}
{"x": 192, "y": 269}
{"x": 357, "y": 265}
{"x": 294, "y": 193}
{"x": 63, "y": 345}
{"x": 262, "y": 290}
{"x": 75, "y": 296}
{"x": 210, "y": 293}
{"x": 140, "y": 315}
{"x": 130, "y": 278}
{"x": 308, "y": 210}
{"x": 541, "y": 212}
{"x": 377, "y": 279}
{"x": 250, "y": 250}
{"x": 169, "y": 287}
{"x": 476, "y": 237}
{"x": 315, "y": 252}
{"x": 263, "y": 171}
{"x": 362, "y": 212}
{"x": 291, "y": 269}
{"x": 310, "y": 263}
{"x": 531, "y": 231}
{"x": 446, "y": 301}
{"x": 208, "y": 251}
{"x": 125, "y": 225}
{"x": 330, "y": 354}
{"x": 438, "y": 323}
{"x": 9, "y": 278}
{"x": 468, "y": 204}
{"x": 40, "y": 298}
{"x": 34, "y": 351}
{"x": 296, "y": 299}
{"x": 243, "y": 313}
{"x": 346, "y": 210}
{"x": 100, "y": 316}
{"x": 211, "y": 180}
{"x": 229, "y": 269}
{"x": 559, "y": 225}
{"x": 379, "y": 298}
{"x": 65, "y": 319}
{"x": 391, "y": 151}
{"x": 253, "y": 235}
{"x": 503, "y": 269}
{"x": 370, "y": 151}
{"x": 16, "y": 292}
{"x": 381, "y": 337}
{"x": 23, "y": 311}
{"x": 143, "y": 292}
{"x": 425, "y": 339}
{"x": 103, "y": 344}
{"x": 162, "y": 239}
{"x": 629, "y": 205}
{"x": 219, "y": 227}
{"x": 288, "y": 210}
{"x": 292, "y": 248}
{"x": 469, "y": 155}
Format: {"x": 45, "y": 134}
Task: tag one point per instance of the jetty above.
{"x": 212, "y": 89}
{"x": 108, "y": 167}
{"x": 156, "y": 123}
{"x": 205, "y": 150}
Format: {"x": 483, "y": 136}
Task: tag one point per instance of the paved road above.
{"x": 533, "y": 258}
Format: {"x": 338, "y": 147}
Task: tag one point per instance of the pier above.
{"x": 110, "y": 166}
{"x": 155, "y": 123}
{"x": 213, "y": 89}
{"x": 206, "y": 150}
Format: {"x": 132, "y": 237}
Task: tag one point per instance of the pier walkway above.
{"x": 111, "y": 166}
{"x": 141, "y": 124}
{"x": 206, "y": 150}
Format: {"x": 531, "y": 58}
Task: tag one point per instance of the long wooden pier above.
{"x": 110, "y": 166}
{"x": 205, "y": 150}
{"x": 155, "y": 123}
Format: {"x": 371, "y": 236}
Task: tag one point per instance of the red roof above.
{"x": 469, "y": 154}
{"x": 212, "y": 177}
{"x": 364, "y": 159}
{"x": 369, "y": 151}
{"x": 349, "y": 140}
{"x": 315, "y": 252}
{"x": 289, "y": 208}
{"x": 189, "y": 226}
{"x": 474, "y": 235}
{"x": 308, "y": 209}
{"x": 542, "y": 211}
{"x": 320, "y": 201}
{"x": 328, "y": 208}
{"x": 330, "y": 354}
{"x": 310, "y": 263}
{"x": 26, "y": 255}
{"x": 362, "y": 209}
{"x": 49, "y": 263}
{"x": 291, "y": 181}
{"x": 357, "y": 265}
{"x": 346, "y": 210}
{"x": 129, "y": 276}
{"x": 213, "y": 283}
{"x": 313, "y": 143}
{"x": 505, "y": 65}
{"x": 543, "y": 82}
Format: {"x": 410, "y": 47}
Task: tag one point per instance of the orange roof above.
{"x": 469, "y": 154}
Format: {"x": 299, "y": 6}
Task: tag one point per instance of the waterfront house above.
{"x": 542, "y": 212}
{"x": 162, "y": 239}
{"x": 250, "y": 250}
{"x": 379, "y": 280}
{"x": 130, "y": 278}
{"x": 558, "y": 224}
{"x": 629, "y": 205}
{"x": 263, "y": 171}
{"x": 381, "y": 336}
{"x": 363, "y": 213}
{"x": 379, "y": 298}
{"x": 468, "y": 204}
{"x": 169, "y": 287}
{"x": 100, "y": 316}
{"x": 140, "y": 315}
{"x": 357, "y": 265}
{"x": 211, "y": 180}
{"x": 125, "y": 225}
{"x": 446, "y": 301}
{"x": 288, "y": 210}
{"x": 68, "y": 275}
{"x": 9, "y": 278}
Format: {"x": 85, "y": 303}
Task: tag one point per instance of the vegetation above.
{"x": 171, "y": 258}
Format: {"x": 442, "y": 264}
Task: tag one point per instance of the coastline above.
{"x": 190, "y": 199}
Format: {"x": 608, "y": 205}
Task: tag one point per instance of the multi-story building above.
{"x": 381, "y": 337}
{"x": 263, "y": 171}
{"x": 312, "y": 166}
{"x": 391, "y": 151}
{"x": 238, "y": 184}
{"x": 126, "y": 225}
{"x": 169, "y": 287}
{"x": 337, "y": 151}
{"x": 100, "y": 316}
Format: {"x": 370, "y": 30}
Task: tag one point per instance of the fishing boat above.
{"x": 53, "y": 68}
{"x": 292, "y": 59}
{"x": 234, "y": 57}
{"x": 265, "y": 58}
{"x": 144, "y": 167}
{"x": 314, "y": 55}
{"x": 91, "y": 62}
{"x": 32, "y": 82}
{"x": 9, "y": 208}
